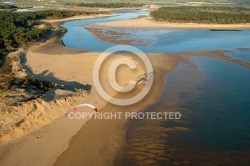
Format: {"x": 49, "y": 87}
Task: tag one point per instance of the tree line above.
{"x": 222, "y": 9}
{"x": 202, "y": 15}
{"x": 19, "y": 28}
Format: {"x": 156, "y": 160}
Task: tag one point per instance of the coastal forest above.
{"x": 19, "y": 28}
{"x": 207, "y": 15}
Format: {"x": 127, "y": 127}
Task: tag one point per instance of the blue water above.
{"x": 168, "y": 40}
{"x": 214, "y": 128}
{"x": 220, "y": 116}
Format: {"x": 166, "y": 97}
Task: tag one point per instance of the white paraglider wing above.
{"x": 87, "y": 105}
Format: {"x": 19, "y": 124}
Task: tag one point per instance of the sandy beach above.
{"x": 148, "y": 22}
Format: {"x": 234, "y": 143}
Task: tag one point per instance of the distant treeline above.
{"x": 110, "y": 5}
{"x": 218, "y": 15}
{"x": 19, "y": 28}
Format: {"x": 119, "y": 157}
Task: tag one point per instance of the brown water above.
{"x": 214, "y": 101}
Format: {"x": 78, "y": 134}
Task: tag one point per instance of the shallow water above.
{"x": 214, "y": 129}
{"x": 240, "y": 54}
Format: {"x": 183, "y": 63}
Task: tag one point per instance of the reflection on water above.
{"x": 214, "y": 101}
{"x": 223, "y": 108}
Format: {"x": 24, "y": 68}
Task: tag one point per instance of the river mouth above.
{"x": 211, "y": 91}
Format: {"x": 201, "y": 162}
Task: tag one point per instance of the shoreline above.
{"x": 19, "y": 143}
{"x": 100, "y": 141}
{"x": 80, "y": 17}
{"x": 57, "y": 23}
{"x": 148, "y": 22}
{"x": 105, "y": 137}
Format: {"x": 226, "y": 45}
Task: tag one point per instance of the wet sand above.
{"x": 117, "y": 37}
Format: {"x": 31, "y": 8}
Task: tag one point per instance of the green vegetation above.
{"x": 210, "y": 9}
{"x": 110, "y": 5}
{"x": 8, "y": 79}
{"x": 6, "y": 74}
{"x": 34, "y": 87}
{"x": 218, "y": 15}
{"x": 18, "y": 29}
{"x": 28, "y": 81}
